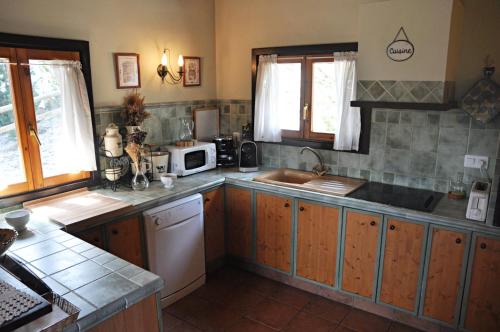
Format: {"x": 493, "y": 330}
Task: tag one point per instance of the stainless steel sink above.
{"x": 326, "y": 184}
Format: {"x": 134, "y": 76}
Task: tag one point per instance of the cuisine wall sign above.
{"x": 401, "y": 48}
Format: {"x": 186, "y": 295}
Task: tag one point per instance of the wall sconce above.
{"x": 165, "y": 70}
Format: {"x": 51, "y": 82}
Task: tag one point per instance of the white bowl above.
{"x": 18, "y": 219}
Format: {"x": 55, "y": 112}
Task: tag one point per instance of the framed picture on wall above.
{"x": 127, "y": 70}
{"x": 192, "y": 71}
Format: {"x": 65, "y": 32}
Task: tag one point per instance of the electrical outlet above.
{"x": 472, "y": 161}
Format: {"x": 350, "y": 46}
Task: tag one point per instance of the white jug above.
{"x": 113, "y": 141}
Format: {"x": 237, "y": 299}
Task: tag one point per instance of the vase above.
{"x": 139, "y": 181}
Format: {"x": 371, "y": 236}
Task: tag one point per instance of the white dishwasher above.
{"x": 176, "y": 248}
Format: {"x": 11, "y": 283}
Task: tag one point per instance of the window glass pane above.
{"x": 289, "y": 95}
{"x": 11, "y": 162}
{"x": 322, "y": 98}
{"x": 47, "y": 99}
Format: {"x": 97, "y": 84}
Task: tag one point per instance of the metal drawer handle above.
{"x": 392, "y": 227}
{"x": 373, "y": 223}
{"x": 287, "y": 205}
{"x": 458, "y": 241}
{"x": 301, "y": 208}
{"x": 114, "y": 232}
{"x": 483, "y": 245}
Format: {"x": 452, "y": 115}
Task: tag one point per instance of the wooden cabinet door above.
{"x": 443, "y": 280}
{"x": 483, "y": 300}
{"x": 317, "y": 239}
{"x": 213, "y": 207}
{"x": 402, "y": 263}
{"x": 274, "y": 231}
{"x": 239, "y": 222}
{"x": 94, "y": 236}
{"x": 360, "y": 257}
{"x": 125, "y": 240}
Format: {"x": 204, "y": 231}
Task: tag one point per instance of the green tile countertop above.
{"x": 447, "y": 212}
{"x": 97, "y": 282}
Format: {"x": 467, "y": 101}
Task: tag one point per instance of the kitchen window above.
{"x": 295, "y": 91}
{"x": 46, "y": 133}
{"x": 305, "y": 97}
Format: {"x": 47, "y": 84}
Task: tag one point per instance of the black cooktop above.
{"x": 409, "y": 198}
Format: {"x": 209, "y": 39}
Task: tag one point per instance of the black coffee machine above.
{"x": 226, "y": 151}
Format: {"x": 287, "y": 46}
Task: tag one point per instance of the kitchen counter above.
{"x": 447, "y": 212}
{"x": 97, "y": 282}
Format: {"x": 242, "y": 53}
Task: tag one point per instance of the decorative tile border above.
{"x": 405, "y": 91}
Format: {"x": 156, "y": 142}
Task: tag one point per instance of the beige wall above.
{"x": 144, "y": 27}
{"x": 243, "y": 25}
{"x": 427, "y": 24}
{"x": 480, "y": 37}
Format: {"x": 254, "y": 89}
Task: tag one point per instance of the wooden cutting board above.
{"x": 74, "y": 206}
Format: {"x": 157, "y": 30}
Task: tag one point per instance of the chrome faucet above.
{"x": 319, "y": 169}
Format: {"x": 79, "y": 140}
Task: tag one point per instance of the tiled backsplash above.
{"x": 406, "y": 91}
{"x": 420, "y": 149}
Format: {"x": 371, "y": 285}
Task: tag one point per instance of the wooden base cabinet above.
{"x": 274, "y": 231}
{"x": 401, "y": 264}
{"x": 142, "y": 316}
{"x": 482, "y": 301}
{"x": 239, "y": 222}
{"x": 445, "y": 272}
{"x": 122, "y": 238}
{"x": 360, "y": 255}
{"x": 125, "y": 240}
{"x": 213, "y": 209}
{"x": 317, "y": 241}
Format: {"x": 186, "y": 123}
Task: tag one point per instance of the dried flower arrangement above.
{"x": 134, "y": 112}
{"x": 134, "y": 147}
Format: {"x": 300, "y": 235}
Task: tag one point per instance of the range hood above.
{"x": 408, "y": 54}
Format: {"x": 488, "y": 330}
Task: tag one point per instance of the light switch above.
{"x": 473, "y": 161}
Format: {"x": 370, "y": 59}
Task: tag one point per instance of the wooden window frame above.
{"x": 318, "y": 141}
{"x": 309, "y": 133}
{"x": 21, "y": 48}
{"x": 296, "y": 133}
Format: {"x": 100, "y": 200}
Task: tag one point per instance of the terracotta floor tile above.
{"x": 242, "y": 299}
{"x": 215, "y": 317}
{"x": 326, "y": 309}
{"x": 341, "y": 328}
{"x": 291, "y": 296}
{"x": 273, "y": 314}
{"x": 187, "y": 307}
{"x": 362, "y": 321}
{"x": 247, "y": 325}
{"x": 262, "y": 285}
{"x": 174, "y": 324}
{"x": 307, "y": 322}
{"x": 398, "y": 327}
{"x": 214, "y": 290}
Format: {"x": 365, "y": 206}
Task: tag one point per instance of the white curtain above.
{"x": 267, "y": 121}
{"x": 75, "y": 147}
{"x": 348, "y": 124}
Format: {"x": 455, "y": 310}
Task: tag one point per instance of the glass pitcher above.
{"x": 186, "y": 131}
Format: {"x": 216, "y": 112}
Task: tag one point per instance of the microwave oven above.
{"x": 187, "y": 160}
